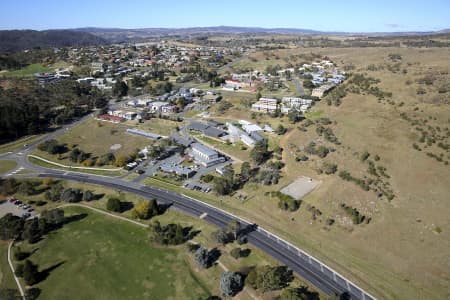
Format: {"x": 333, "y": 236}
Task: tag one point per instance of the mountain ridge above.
{"x": 17, "y": 40}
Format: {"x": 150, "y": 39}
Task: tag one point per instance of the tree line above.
{"x": 28, "y": 108}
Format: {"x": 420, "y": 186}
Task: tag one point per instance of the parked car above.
{"x": 140, "y": 171}
{"x": 30, "y": 209}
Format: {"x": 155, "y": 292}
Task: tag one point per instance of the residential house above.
{"x": 169, "y": 109}
{"x": 267, "y": 105}
{"x": 157, "y": 106}
{"x": 322, "y": 90}
{"x": 110, "y": 118}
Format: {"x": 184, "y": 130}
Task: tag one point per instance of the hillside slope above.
{"x": 16, "y": 40}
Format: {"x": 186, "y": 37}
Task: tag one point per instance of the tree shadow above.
{"x": 22, "y": 255}
{"x": 162, "y": 207}
{"x": 46, "y": 272}
{"x": 309, "y": 294}
{"x": 99, "y": 196}
{"x": 125, "y": 206}
{"x": 245, "y": 252}
{"x": 189, "y": 233}
{"x": 214, "y": 255}
{"x": 33, "y": 293}
{"x": 74, "y": 218}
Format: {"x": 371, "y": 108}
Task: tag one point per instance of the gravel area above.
{"x": 300, "y": 187}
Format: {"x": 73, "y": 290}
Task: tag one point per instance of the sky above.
{"x": 331, "y": 15}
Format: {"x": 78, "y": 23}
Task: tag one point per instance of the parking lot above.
{"x": 19, "y": 209}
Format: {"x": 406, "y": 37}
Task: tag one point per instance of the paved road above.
{"x": 298, "y": 86}
{"x": 317, "y": 273}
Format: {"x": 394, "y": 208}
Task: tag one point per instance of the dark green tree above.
{"x": 114, "y": 204}
{"x": 231, "y": 283}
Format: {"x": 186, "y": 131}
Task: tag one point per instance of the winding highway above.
{"x": 317, "y": 273}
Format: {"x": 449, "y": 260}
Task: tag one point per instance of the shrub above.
{"x": 329, "y": 168}
{"x": 364, "y": 156}
{"x": 207, "y": 178}
{"x": 171, "y": 234}
{"x": 114, "y": 204}
{"x": 71, "y": 195}
{"x": 230, "y": 283}
{"x": 146, "y": 209}
{"x": 236, "y": 253}
{"x": 286, "y": 202}
{"x": 202, "y": 258}
{"x": 267, "y": 278}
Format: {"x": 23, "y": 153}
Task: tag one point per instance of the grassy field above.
{"x": 29, "y": 70}
{"x": 6, "y": 277}
{"x": 90, "y": 250}
{"x": 52, "y": 166}
{"x": 156, "y": 125}
{"x": 414, "y": 221}
{"x": 18, "y": 144}
{"x": 7, "y": 165}
{"x": 97, "y": 245}
{"x": 96, "y": 137}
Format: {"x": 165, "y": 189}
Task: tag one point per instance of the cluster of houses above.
{"x": 324, "y": 75}
{"x": 100, "y": 83}
{"x": 154, "y": 107}
{"x": 271, "y": 105}
{"x": 243, "y": 131}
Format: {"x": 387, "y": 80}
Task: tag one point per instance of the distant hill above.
{"x": 16, "y": 40}
{"x": 126, "y": 35}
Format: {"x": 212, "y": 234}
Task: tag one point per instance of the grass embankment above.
{"x": 29, "y": 70}
{"x": 156, "y": 125}
{"x": 7, "y": 165}
{"x": 96, "y": 138}
{"x": 97, "y": 238}
{"x": 377, "y": 262}
{"x": 19, "y": 144}
{"x": 6, "y": 277}
{"x": 52, "y": 166}
{"x": 109, "y": 259}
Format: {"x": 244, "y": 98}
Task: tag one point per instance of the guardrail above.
{"x": 311, "y": 260}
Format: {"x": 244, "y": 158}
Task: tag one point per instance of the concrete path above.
{"x": 19, "y": 286}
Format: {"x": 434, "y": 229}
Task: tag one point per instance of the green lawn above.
{"x": 7, "y": 165}
{"x": 101, "y": 258}
{"x": 6, "y": 277}
{"x": 29, "y": 70}
{"x": 97, "y": 137}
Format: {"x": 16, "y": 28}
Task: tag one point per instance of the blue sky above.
{"x": 331, "y": 15}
